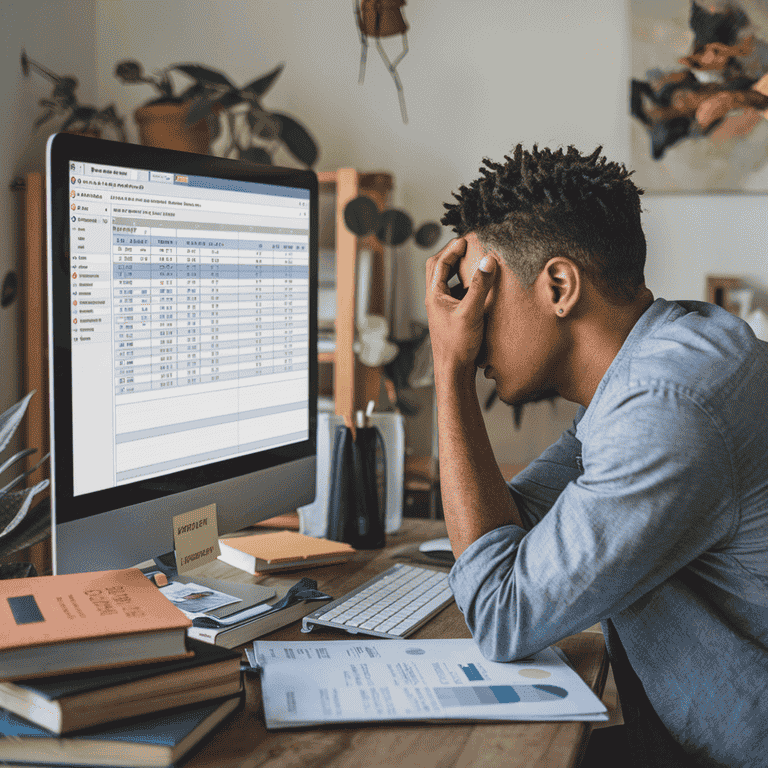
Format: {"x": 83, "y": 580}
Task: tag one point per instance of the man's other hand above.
{"x": 456, "y": 326}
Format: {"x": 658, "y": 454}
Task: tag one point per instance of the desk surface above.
{"x": 244, "y": 742}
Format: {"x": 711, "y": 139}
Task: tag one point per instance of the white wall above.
{"x": 58, "y": 35}
{"x": 692, "y": 235}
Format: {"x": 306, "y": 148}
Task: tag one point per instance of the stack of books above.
{"x": 96, "y": 670}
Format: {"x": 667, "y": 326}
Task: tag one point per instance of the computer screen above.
{"x": 183, "y": 336}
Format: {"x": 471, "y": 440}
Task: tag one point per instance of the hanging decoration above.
{"x": 378, "y": 19}
{"x": 391, "y": 227}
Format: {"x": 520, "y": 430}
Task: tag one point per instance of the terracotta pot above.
{"x": 163, "y": 125}
{"x": 381, "y": 18}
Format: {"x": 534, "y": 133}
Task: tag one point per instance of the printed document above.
{"x": 310, "y": 683}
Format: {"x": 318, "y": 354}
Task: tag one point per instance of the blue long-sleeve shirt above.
{"x": 651, "y": 515}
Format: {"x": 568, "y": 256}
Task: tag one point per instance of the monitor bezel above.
{"x": 64, "y": 149}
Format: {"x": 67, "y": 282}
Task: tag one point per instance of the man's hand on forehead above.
{"x": 471, "y": 258}
{"x": 457, "y": 324}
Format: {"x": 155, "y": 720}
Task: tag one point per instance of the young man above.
{"x": 650, "y": 514}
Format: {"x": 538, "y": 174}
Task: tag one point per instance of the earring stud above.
{"x": 559, "y": 311}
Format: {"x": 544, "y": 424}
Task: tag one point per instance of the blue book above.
{"x": 160, "y": 741}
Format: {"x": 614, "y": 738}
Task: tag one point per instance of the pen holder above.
{"x": 356, "y": 504}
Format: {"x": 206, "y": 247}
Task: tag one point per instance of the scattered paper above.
{"x": 309, "y": 683}
{"x": 196, "y": 600}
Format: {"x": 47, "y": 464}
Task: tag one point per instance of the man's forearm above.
{"x": 475, "y": 497}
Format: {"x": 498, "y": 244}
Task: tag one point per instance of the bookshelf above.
{"x": 353, "y": 383}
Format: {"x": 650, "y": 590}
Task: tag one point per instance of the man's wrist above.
{"x": 455, "y": 375}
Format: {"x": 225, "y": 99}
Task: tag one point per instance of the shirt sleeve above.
{"x": 656, "y": 492}
{"x": 539, "y": 485}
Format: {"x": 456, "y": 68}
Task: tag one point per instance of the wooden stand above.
{"x": 354, "y": 384}
{"x": 34, "y": 345}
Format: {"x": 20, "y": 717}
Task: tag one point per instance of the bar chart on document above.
{"x": 190, "y": 324}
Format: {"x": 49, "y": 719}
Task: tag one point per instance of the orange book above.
{"x": 79, "y": 621}
{"x": 281, "y": 551}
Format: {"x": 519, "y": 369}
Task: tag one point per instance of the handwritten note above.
{"x": 196, "y": 538}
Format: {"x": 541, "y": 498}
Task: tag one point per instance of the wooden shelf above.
{"x": 34, "y": 337}
{"x": 354, "y": 384}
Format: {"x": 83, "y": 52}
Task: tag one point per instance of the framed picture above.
{"x": 699, "y": 95}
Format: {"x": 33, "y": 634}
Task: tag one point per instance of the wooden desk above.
{"x": 244, "y": 742}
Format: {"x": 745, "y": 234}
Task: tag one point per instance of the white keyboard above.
{"x": 393, "y": 604}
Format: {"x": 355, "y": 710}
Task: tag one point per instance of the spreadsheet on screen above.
{"x": 190, "y": 324}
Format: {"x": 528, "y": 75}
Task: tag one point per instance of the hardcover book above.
{"x": 65, "y": 703}
{"x": 281, "y": 551}
{"x": 159, "y": 741}
{"x": 244, "y": 632}
{"x": 81, "y": 621}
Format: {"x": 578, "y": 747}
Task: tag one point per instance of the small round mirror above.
{"x": 361, "y": 216}
{"x": 395, "y": 227}
{"x": 427, "y": 234}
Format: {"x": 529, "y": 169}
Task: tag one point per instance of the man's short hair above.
{"x": 542, "y": 204}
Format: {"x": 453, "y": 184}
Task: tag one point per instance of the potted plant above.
{"x": 192, "y": 118}
{"x": 62, "y": 107}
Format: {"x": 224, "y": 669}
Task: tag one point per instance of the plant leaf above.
{"x": 84, "y": 113}
{"x": 204, "y": 75}
{"x": 230, "y": 98}
{"x": 46, "y": 116}
{"x": 297, "y": 139}
{"x": 129, "y": 72}
{"x": 80, "y": 115}
{"x": 257, "y": 155}
{"x": 261, "y": 85}
{"x": 262, "y": 124}
{"x": 214, "y": 126}
{"x": 194, "y": 90}
{"x": 165, "y": 86}
{"x": 200, "y": 107}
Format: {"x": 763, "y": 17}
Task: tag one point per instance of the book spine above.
{"x": 230, "y": 637}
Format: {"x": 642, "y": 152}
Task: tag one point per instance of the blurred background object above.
{"x": 192, "y": 119}
{"x": 23, "y": 521}
{"x": 377, "y": 19}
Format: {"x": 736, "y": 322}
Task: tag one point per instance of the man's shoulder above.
{"x": 692, "y": 346}
{"x": 685, "y": 365}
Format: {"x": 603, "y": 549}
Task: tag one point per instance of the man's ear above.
{"x": 560, "y": 285}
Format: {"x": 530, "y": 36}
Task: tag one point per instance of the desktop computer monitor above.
{"x": 182, "y": 296}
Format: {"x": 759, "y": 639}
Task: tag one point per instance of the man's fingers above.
{"x": 441, "y": 265}
{"x": 480, "y": 285}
